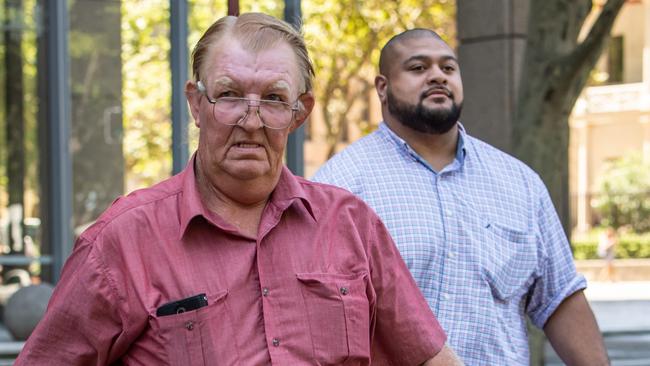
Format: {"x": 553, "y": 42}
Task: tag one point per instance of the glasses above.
{"x": 232, "y": 111}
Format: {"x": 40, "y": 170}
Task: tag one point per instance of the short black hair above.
{"x": 387, "y": 52}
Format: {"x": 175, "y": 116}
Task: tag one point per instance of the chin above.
{"x": 248, "y": 171}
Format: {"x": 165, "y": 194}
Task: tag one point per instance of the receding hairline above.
{"x": 255, "y": 32}
{"x": 387, "y": 55}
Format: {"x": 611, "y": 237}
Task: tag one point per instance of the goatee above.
{"x": 422, "y": 119}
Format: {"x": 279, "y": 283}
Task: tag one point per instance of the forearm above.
{"x": 446, "y": 357}
{"x": 574, "y": 334}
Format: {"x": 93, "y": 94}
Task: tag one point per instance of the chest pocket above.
{"x": 508, "y": 260}
{"x": 200, "y": 337}
{"x": 339, "y": 316}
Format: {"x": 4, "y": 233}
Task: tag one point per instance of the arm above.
{"x": 446, "y": 357}
{"x": 574, "y": 334}
{"x": 81, "y": 325}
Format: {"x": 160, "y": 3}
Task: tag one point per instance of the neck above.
{"x": 439, "y": 150}
{"x": 239, "y": 203}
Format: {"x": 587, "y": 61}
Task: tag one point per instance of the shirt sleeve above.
{"x": 558, "y": 277}
{"x": 406, "y": 331}
{"x": 82, "y": 324}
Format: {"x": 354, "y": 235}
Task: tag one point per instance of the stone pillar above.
{"x": 583, "y": 210}
{"x": 491, "y": 39}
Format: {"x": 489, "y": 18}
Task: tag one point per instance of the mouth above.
{"x": 246, "y": 145}
{"x": 437, "y": 91}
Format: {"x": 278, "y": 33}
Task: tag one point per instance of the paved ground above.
{"x": 622, "y": 310}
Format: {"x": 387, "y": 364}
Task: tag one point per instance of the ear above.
{"x": 381, "y": 85}
{"x": 193, "y": 98}
{"x": 306, "y": 106}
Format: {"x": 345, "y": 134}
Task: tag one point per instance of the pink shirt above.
{"x": 322, "y": 283}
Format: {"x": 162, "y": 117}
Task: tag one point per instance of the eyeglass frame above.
{"x": 294, "y": 108}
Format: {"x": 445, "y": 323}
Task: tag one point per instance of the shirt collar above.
{"x": 287, "y": 191}
{"x": 461, "y": 149}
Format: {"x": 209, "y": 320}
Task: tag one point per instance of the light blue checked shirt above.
{"x": 481, "y": 238}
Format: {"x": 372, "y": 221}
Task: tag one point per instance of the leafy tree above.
{"x": 146, "y": 92}
{"x": 557, "y": 64}
{"x": 624, "y": 198}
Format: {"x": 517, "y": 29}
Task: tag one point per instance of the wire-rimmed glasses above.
{"x": 232, "y": 111}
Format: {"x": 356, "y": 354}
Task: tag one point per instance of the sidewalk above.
{"x": 621, "y": 306}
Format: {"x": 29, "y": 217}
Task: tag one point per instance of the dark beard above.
{"x": 421, "y": 119}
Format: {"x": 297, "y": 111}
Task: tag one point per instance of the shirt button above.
{"x": 189, "y": 325}
{"x": 445, "y": 296}
{"x": 344, "y": 290}
{"x": 451, "y": 254}
{"x": 265, "y": 291}
{"x": 276, "y": 342}
{"x": 449, "y": 213}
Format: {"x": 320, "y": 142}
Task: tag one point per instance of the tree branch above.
{"x": 586, "y": 54}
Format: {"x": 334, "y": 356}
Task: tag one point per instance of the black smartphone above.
{"x": 181, "y": 306}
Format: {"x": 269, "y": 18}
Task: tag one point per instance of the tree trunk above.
{"x": 555, "y": 70}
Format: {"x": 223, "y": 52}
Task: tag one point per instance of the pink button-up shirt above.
{"x": 321, "y": 284}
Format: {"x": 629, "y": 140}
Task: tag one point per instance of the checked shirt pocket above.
{"x": 339, "y": 316}
{"x": 508, "y": 260}
{"x": 200, "y": 337}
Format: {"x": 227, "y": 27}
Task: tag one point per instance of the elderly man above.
{"x": 475, "y": 226}
{"x": 235, "y": 261}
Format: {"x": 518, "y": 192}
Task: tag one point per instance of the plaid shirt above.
{"x": 481, "y": 238}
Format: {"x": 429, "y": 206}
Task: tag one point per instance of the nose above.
{"x": 437, "y": 76}
{"x": 244, "y": 121}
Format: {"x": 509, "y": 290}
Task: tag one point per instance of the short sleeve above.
{"x": 82, "y": 324}
{"x": 558, "y": 277}
{"x": 406, "y": 331}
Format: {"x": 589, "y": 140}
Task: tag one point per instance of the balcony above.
{"x": 613, "y": 99}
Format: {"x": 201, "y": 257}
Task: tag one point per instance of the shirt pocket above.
{"x": 200, "y": 337}
{"x": 508, "y": 260}
{"x": 339, "y": 316}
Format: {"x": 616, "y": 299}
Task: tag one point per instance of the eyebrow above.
{"x": 427, "y": 58}
{"x": 224, "y": 81}
{"x": 279, "y": 85}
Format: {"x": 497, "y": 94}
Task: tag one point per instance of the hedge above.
{"x": 629, "y": 246}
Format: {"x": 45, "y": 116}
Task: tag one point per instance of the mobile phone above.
{"x": 181, "y": 306}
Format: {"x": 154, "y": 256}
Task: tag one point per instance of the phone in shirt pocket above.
{"x": 201, "y": 335}
{"x": 181, "y": 306}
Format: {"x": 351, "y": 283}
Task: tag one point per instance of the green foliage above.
{"x": 146, "y": 91}
{"x": 630, "y": 245}
{"x": 28, "y": 22}
{"x": 624, "y": 198}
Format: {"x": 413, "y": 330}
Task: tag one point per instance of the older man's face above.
{"x": 248, "y": 150}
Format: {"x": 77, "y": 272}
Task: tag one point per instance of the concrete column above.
{"x": 583, "y": 210}
{"x": 492, "y": 39}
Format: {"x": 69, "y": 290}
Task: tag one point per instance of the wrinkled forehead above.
{"x": 232, "y": 63}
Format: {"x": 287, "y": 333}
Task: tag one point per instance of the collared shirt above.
{"x": 481, "y": 238}
{"x": 321, "y": 283}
